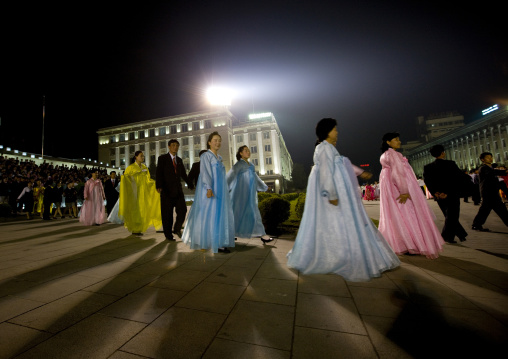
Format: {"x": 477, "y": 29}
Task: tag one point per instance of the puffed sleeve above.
{"x": 326, "y": 168}
{"x": 205, "y": 171}
{"x": 357, "y": 170}
{"x": 397, "y": 171}
{"x": 260, "y": 185}
{"x": 231, "y": 175}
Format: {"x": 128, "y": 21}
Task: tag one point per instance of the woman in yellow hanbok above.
{"x": 139, "y": 205}
{"x": 38, "y": 198}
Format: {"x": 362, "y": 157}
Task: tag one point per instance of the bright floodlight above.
{"x": 219, "y": 96}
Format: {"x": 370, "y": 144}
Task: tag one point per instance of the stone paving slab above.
{"x": 68, "y": 291}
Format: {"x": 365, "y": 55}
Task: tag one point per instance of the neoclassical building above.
{"x": 465, "y": 144}
{"x": 260, "y": 132}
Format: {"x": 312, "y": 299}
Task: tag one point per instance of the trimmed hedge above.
{"x": 300, "y": 204}
{"x": 274, "y": 210}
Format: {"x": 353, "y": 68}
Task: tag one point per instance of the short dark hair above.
{"x": 201, "y": 152}
{"x": 436, "y": 150}
{"x": 173, "y": 141}
{"x": 112, "y": 172}
{"x": 484, "y": 154}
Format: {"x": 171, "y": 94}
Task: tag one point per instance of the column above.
{"x": 275, "y": 152}
{"x": 261, "y": 153}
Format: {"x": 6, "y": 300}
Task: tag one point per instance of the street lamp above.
{"x": 218, "y": 96}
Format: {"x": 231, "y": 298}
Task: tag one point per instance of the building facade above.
{"x": 260, "y": 132}
{"x": 465, "y": 144}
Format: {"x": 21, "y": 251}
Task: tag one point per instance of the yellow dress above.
{"x": 140, "y": 203}
{"x": 38, "y": 198}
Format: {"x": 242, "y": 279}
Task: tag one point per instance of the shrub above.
{"x": 264, "y": 195}
{"x": 300, "y": 204}
{"x": 290, "y": 196}
{"x": 274, "y": 210}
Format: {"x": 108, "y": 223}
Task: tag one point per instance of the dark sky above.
{"x": 373, "y": 65}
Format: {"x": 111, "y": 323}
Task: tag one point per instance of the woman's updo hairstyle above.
{"x": 388, "y": 137}
{"x": 214, "y": 133}
{"x": 323, "y": 128}
{"x": 136, "y": 154}
{"x": 238, "y": 153}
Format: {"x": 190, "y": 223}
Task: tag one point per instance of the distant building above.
{"x": 465, "y": 143}
{"x": 260, "y": 132}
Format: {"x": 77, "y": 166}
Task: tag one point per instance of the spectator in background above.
{"x": 194, "y": 171}
{"x": 93, "y": 210}
{"x": 57, "y": 199}
{"x": 71, "y": 196}
{"x": 489, "y": 190}
{"x": 26, "y": 199}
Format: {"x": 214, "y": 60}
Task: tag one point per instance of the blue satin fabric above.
{"x": 210, "y": 222}
{"x": 338, "y": 239}
{"x": 244, "y": 184}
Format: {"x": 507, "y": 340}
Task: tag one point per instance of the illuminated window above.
{"x": 162, "y": 131}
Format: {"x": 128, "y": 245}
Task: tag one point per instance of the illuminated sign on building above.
{"x": 489, "y": 110}
{"x": 255, "y": 116}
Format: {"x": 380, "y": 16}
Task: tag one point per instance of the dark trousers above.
{"x": 168, "y": 204}
{"x": 47, "y": 209}
{"x": 489, "y": 204}
{"x": 110, "y": 203}
{"x": 476, "y": 194}
{"x": 450, "y": 207}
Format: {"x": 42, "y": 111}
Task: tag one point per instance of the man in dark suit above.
{"x": 194, "y": 171}
{"x": 447, "y": 183}
{"x": 111, "y": 192}
{"x": 170, "y": 172}
{"x": 489, "y": 190}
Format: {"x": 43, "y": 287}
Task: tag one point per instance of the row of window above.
{"x": 184, "y": 127}
{"x": 253, "y": 136}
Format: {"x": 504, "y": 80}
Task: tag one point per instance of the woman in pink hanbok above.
{"x": 406, "y": 220}
{"x": 369, "y": 193}
{"x": 93, "y": 210}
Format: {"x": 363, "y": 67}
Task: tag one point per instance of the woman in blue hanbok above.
{"x": 336, "y": 235}
{"x": 244, "y": 185}
{"x": 210, "y": 223}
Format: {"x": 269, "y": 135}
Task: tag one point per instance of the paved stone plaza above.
{"x": 69, "y": 291}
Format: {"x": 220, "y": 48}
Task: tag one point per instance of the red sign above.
{"x": 365, "y": 165}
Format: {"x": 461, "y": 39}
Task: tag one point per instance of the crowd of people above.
{"x": 335, "y": 234}
{"x": 29, "y": 188}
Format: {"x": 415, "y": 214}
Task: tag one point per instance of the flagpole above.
{"x": 43, "y": 115}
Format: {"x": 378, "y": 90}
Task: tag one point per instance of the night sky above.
{"x": 374, "y": 66}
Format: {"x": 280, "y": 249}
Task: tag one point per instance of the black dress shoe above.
{"x": 266, "y": 240}
{"x": 224, "y": 250}
{"x": 178, "y": 233}
{"x": 463, "y": 239}
{"x": 480, "y": 228}
{"x": 170, "y": 239}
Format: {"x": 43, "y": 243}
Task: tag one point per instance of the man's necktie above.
{"x": 174, "y": 163}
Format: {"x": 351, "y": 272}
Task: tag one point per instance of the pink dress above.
{"x": 407, "y": 227}
{"x": 369, "y": 193}
{"x": 93, "y": 210}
